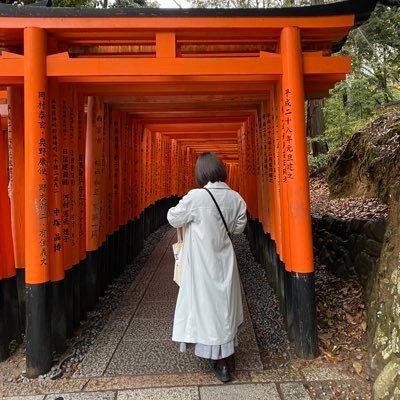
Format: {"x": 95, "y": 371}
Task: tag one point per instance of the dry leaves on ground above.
{"x": 344, "y": 208}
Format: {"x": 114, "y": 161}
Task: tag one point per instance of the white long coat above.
{"x": 209, "y": 307}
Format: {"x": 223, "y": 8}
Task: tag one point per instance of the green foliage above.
{"x": 248, "y": 3}
{"x": 74, "y": 3}
{"x": 339, "y": 122}
{"x": 375, "y": 52}
{"x": 134, "y": 4}
{"x": 318, "y": 164}
{"x": 91, "y": 3}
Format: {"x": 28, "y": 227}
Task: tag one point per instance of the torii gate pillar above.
{"x": 38, "y": 311}
{"x": 296, "y": 178}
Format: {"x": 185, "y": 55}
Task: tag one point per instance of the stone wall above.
{"x": 384, "y": 311}
{"x": 370, "y": 166}
{"x": 349, "y": 248}
{"x": 370, "y": 250}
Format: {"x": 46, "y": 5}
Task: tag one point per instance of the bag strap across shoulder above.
{"x": 219, "y": 210}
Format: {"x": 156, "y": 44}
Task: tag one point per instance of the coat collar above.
{"x": 217, "y": 185}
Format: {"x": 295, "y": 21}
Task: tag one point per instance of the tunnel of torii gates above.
{"x": 103, "y": 115}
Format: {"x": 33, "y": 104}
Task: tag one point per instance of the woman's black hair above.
{"x": 209, "y": 168}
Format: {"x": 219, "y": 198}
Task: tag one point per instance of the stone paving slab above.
{"x": 148, "y": 329}
{"x": 24, "y": 398}
{"x": 170, "y": 380}
{"x": 96, "y": 361}
{"x": 101, "y": 352}
{"x": 152, "y": 357}
{"x": 83, "y": 396}
{"x": 164, "y": 293}
{"x": 294, "y": 391}
{"x": 36, "y": 387}
{"x": 324, "y": 374}
{"x": 156, "y": 310}
{"x": 178, "y": 393}
{"x": 276, "y": 375}
{"x": 240, "y": 392}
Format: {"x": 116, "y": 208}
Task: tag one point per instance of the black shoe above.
{"x": 221, "y": 370}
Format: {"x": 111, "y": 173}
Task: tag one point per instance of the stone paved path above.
{"x": 134, "y": 357}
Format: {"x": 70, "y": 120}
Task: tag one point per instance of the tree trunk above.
{"x": 315, "y": 119}
{"x": 316, "y": 127}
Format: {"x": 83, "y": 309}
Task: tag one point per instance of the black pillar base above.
{"x": 304, "y": 312}
{"x": 82, "y": 287}
{"x": 289, "y": 316}
{"x": 76, "y": 314}
{"x": 91, "y": 278}
{"x": 69, "y": 301}
{"x": 281, "y": 286}
{"x": 11, "y": 312}
{"x": 21, "y": 296}
{"x": 38, "y": 329}
{"x": 114, "y": 255}
{"x": 275, "y": 273}
{"x": 58, "y": 316}
{"x": 100, "y": 265}
{"x": 108, "y": 258}
{"x": 125, "y": 244}
{"x": 10, "y": 335}
{"x": 131, "y": 230}
{"x": 4, "y": 352}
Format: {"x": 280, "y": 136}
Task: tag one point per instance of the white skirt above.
{"x": 213, "y": 352}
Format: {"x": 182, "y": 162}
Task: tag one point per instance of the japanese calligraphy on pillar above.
{"x": 65, "y": 173}
{"x": 103, "y": 184}
{"x": 115, "y": 160}
{"x": 124, "y": 160}
{"x": 263, "y": 144}
{"x": 250, "y": 148}
{"x": 10, "y": 146}
{"x": 81, "y": 172}
{"x": 115, "y": 144}
{"x": 56, "y": 212}
{"x": 72, "y": 150}
{"x": 98, "y": 166}
{"x": 270, "y": 147}
{"x": 282, "y": 141}
{"x": 287, "y": 137}
{"x": 277, "y": 153}
{"x": 42, "y": 170}
{"x": 129, "y": 169}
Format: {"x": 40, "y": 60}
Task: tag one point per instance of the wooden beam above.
{"x": 268, "y": 65}
{"x": 101, "y": 26}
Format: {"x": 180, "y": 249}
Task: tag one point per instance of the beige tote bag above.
{"x": 178, "y": 254}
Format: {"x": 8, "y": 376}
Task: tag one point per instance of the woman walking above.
{"x": 209, "y": 306}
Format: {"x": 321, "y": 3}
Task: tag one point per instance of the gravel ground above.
{"x": 267, "y": 320}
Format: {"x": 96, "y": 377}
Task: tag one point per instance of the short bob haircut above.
{"x": 209, "y": 168}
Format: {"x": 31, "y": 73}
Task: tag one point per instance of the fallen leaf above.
{"x": 330, "y": 356}
{"x": 364, "y": 326}
{"x": 357, "y": 367}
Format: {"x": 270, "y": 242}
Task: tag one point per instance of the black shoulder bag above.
{"x": 219, "y": 210}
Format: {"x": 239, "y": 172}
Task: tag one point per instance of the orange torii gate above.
{"x": 107, "y": 111}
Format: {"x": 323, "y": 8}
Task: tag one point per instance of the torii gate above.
{"x": 107, "y": 112}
